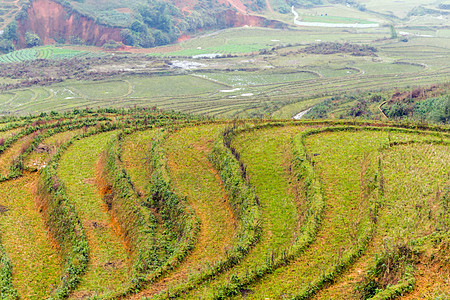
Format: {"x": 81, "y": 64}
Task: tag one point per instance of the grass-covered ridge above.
{"x": 142, "y": 203}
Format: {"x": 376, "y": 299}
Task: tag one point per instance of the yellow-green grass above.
{"x": 343, "y": 161}
{"x": 35, "y": 259}
{"x": 193, "y": 176}
{"x": 9, "y": 133}
{"x": 169, "y": 86}
{"x": 397, "y": 8}
{"x": 413, "y": 174}
{"x": 337, "y": 10}
{"x": 416, "y": 179}
{"x": 136, "y": 158}
{"x": 108, "y": 258}
{"x": 103, "y": 90}
{"x": 40, "y": 157}
{"x": 7, "y": 157}
{"x": 265, "y": 153}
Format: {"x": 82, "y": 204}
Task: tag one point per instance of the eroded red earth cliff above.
{"x": 52, "y": 21}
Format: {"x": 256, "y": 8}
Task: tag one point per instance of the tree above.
{"x": 128, "y": 37}
{"x": 32, "y": 39}
{"x": 137, "y": 27}
{"x": 6, "y": 46}
{"x": 393, "y": 32}
{"x": 10, "y": 32}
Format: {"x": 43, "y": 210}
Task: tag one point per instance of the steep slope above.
{"x": 53, "y": 22}
{"x": 133, "y": 23}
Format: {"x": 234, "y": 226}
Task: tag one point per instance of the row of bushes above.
{"x": 7, "y": 290}
{"x": 152, "y": 254}
{"x": 180, "y": 224}
{"x": 246, "y": 209}
{"x": 59, "y": 214}
{"x": 40, "y": 132}
{"x": 369, "y": 288}
{"x": 62, "y": 220}
{"x": 16, "y": 169}
{"x": 302, "y": 171}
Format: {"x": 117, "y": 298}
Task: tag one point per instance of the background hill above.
{"x": 328, "y": 58}
{"x": 158, "y": 22}
{"x": 136, "y": 23}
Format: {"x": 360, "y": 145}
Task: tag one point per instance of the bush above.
{"x": 32, "y": 40}
{"x": 394, "y": 268}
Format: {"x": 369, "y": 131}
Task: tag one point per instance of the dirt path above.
{"x": 35, "y": 260}
{"x": 301, "y": 114}
{"x": 269, "y": 6}
{"x": 194, "y": 176}
{"x": 238, "y": 5}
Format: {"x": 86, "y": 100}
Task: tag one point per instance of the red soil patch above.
{"x": 105, "y": 191}
{"x": 49, "y": 20}
{"x": 164, "y": 49}
{"x": 185, "y": 4}
{"x": 183, "y": 38}
{"x": 124, "y": 10}
{"x": 186, "y": 11}
{"x": 234, "y": 19}
{"x": 237, "y": 4}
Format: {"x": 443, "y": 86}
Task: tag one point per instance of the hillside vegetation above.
{"x": 167, "y": 205}
{"x": 229, "y": 149}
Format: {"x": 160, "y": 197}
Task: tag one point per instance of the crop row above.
{"x": 159, "y": 228}
{"x": 39, "y": 53}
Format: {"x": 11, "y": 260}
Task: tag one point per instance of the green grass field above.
{"x": 45, "y": 52}
{"x": 160, "y": 175}
{"x": 279, "y": 83}
{"x": 327, "y": 194}
{"x": 109, "y": 258}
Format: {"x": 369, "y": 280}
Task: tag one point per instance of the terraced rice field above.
{"x": 47, "y": 52}
{"x": 253, "y": 94}
{"x": 143, "y": 204}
